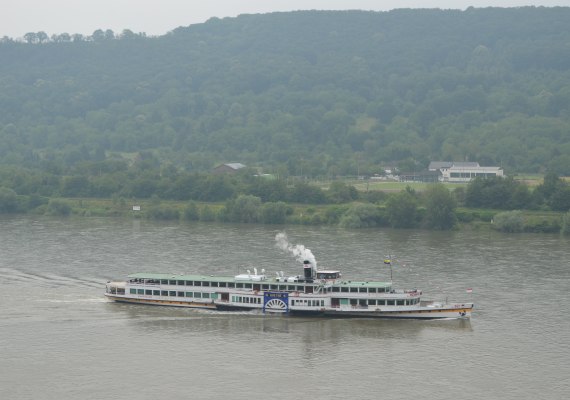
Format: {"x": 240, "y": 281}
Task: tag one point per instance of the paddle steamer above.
{"x": 315, "y": 292}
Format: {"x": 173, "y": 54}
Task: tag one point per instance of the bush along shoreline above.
{"x": 500, "y": 204}
{"x": 401, "y": 213}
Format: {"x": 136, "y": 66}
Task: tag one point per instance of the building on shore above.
{"x": 457, "y": 172}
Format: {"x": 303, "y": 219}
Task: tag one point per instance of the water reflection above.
{"x": 310, "y": 330}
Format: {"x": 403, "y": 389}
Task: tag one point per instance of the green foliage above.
{"x": 402, "y": 210}
{"x": 162, "y": 213}
{"x": 440, "y": 207}
{"x": 340, "y": 192}
{"x": 207, "y": 214}
{"x": 542, "y": 224}
{"x": 499, "y": 193}
{"x": 191, "y": 212}
{"x": 57, "y": 207}
{"x": 361, "y": 215}
{"x": 301, "y": 101}
{"x": 565, "y": 228}
{"x": 8, "y": 201}
{"x": 509, "y": 221}
{"x": 333, "y": 214}
{"x": 245, "y": 208}
{"x": 305, "y": 193}
{"x": 554, "y": 192}
{"x": 275, "y": 213}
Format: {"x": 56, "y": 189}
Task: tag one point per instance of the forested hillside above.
{"x": 300, "y": 93}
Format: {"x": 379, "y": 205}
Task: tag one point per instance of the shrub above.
{"x": 509, "y": 221}
{"x": 275, "y": 213}
{"x": 58, "y": 207}
{"x": 360, "y": 216}
{"x": 164, "y": 213}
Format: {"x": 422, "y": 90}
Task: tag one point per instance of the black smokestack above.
{"x": 308, "y": 269}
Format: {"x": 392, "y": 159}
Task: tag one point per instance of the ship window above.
{"x": 372, "y": 290}
{"x": 239, "y": 285}
{"x": 381, "y": 290}
{"x": 180, "y": 283}
{"x": 205, "y": 295}
{"x": 371, "y": 302}
{"x": 300, "y": 288}
{"x": 400, "y": 302}
{"x": 381, "y": 302}
{"x": 335, "y": 289}
{"x": 353, "y": 302}
{"x": 248, "y": 285}
{"x": 362, "y": 290}
{"x": 188, "y": 283}
{"x": 156, "y": 292}
{"x": 214, "y": 284}
{"x": 322, "y": 303}
{"x": 133, "y": 291}
{"x": 140, "y": 291}
{"x": 231, "y": 285}
{"x": 344, "y": 289}
{"x": 148, "y": 292}
{"x": 353, "y": 290}
{"x": 205, "y": 283}
{"x": 164, "y": 292}
{"x": 197, "y": 295}
{"x": 264, "y": 287}
{"x": 282, "y": 287}
{"x": 197, "y": 283}
{"x": 362, "y": 302}
{"x": 180, "y": 294}
{"x": 172, "y": 293}
{"x": 223, "y": 284}
{"x": 274, "y": 287}
{"x": 172, "y": 282}
{"x": 390, "y": 302}
{"x": 189, "y": 294}
{"x": 164, "y": 281}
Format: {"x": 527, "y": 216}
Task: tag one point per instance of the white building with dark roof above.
{"x": 458, "y": 172}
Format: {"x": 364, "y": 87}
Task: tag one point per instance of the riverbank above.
{"x": 302, "y": 214}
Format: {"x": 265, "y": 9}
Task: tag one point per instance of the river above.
{"x": 60, "y": 338}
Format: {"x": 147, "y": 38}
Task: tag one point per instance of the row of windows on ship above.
{"x": 257, "y": 300}
{"x": 257, "y": 286}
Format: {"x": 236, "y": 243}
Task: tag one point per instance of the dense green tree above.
{"x": 360, "y": 215}
{"x": 440, "y": 207}
{"x": 340, "y": 192}
{"x": 402, "y": 210}
{"x": 275, "y": 213}
{"x": 245, "y": 208}
{"x": 305, "y": 100}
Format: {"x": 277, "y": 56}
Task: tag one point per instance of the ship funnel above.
{"x": 308, "y": 269}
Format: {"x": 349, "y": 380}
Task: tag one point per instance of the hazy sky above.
{"x": 156, "y": 17}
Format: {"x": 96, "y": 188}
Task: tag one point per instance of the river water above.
{"x": 61, "y": 339}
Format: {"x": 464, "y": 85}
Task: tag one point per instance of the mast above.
{"x": 388, "y": 261}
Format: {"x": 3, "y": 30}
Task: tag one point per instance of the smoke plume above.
{"x": 300, "y": 252}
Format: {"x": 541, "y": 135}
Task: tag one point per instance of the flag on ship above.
{"x": 387, "y": 261}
